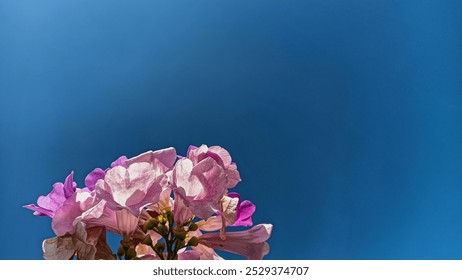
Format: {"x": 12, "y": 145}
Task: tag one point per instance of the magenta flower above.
{"x": 244, "y": 211}
{"x": 49, "y": 204}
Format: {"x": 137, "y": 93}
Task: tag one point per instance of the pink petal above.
{"x": 121, "y": 161}
{"x": 69, "y": 185}
{"x": 202, "y": 186}
{"x": 246, "y": 211}
{"x": 207, "y": 253}
{"x": 166, "y": 156}
{"x": 211, "y": 224}
{"x": 190, "y": 255}
{"x": 223, "y": 154}
{"x": 39, "y": 211}
{"x": 116, "y": 183}
{"x": 233, "y": 176}
{"x": 250, "y": 243}
{"x": 181, "y": 213}
{"x": 126, "y": 222}
{"x": 93, "y": 177}
{"x": 64, "y": 219}
{"x": 101, "y": 215}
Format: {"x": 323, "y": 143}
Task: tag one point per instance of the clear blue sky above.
{"x": 344, "y": 117}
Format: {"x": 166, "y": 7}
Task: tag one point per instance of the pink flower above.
{"x": 49, "y": 204}
{"x": 233, "y": 213}
{"x": 139, "y": 184}
{"x": 65, "y": 218}
{"x": 250, "y": 243}
{"x": 121, "y": 221}
{"x": 133, "y": 198}
{"x": 221, "y": 156}
{"x": 200, "y": 185}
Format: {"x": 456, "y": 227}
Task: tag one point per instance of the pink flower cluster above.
{"x": 163, "y": 206}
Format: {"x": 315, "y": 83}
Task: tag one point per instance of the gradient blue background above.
{"x": 344, "y": 116}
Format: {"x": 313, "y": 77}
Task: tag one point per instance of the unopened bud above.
{"x": 120, "y": 251}
{"x": 193, "y": 227}
{"x": 162, "y": 229}
{"x": 125, "y": 244}
{"x": 147, "y": 240}
{"x": 194, "y": 241}
{"x": 159, "y": 247}
{"x": 131, "y": 253}
{"x": 181, "y": 235}
{"x": 162, "y": 220}
{"x": 167, "y": 212}
{"x": 150, "y": 224}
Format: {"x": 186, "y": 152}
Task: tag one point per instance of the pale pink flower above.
{"x": 139, "y": 184}
{"x": 221, "y": 156}
{"x": 121, "y": 221}
{"x": 249, "y": 243}
{"x": 201, "y": 185}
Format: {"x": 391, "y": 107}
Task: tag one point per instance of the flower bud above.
{"x": 162, "y": 229}
{"x": 194, "y": 241}
{"x": 181, "y": 235}
{"x": 131, "y": 253}
{"x": 120, "y": 251}
{"x": 147, "y": 240}
{"x": 125, "y": 244}
{"x": 167, "y": 212}
{"x": 159, "y": 247}
{"x": 162, "y": 220}
{"x": 150, "y": 224}
{"x": 193, "y": 227}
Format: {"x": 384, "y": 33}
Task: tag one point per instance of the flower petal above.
{"x": 190, "y": 255}
{"x": 58, "y": 248}
{"x": 166, "y": 156}
{"x": 182, "y": 214}
{"x": 121, "y": 161}
{"x": 69, "y": 185}
{"x": 126, "y": 222}
{"x": 65, "y": 218}
{"x": 93, "y": 177}
{"x": 246, "y": 211}
{"x": 202, "y": 186}
{"x": 250, "y": 243}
